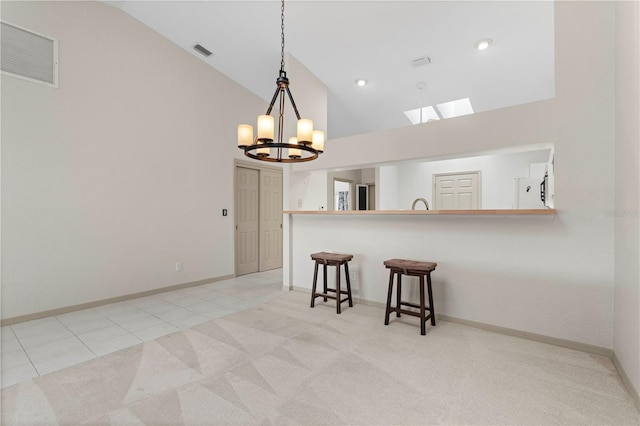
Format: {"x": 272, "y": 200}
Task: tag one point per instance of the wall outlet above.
{"x": 299, "y": 202}
{"x": 179, "y": 266}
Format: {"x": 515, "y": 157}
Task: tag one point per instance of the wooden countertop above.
{"x": 534, "y": 212}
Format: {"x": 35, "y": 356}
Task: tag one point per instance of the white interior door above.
{"x": 457, "y": 191}
{"x": 247, "y": 220}
{"x": 270, "y": 220}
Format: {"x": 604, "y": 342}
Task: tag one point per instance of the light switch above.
{"x": 224, "y": 212}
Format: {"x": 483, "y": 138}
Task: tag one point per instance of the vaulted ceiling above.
{"x": 341, "y": 41}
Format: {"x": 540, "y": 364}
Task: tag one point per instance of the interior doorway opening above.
{"x": 342, "y": 194}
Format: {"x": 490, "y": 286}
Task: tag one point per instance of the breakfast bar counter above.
{"x": 544, "y": 212}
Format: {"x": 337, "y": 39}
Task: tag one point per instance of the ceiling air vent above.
{"x": 423, "y": 60}
{"x": 202, "y": 50}
{"x": 27, "y": 55}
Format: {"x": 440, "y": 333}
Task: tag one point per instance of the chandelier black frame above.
{"x": 308, "y": 144}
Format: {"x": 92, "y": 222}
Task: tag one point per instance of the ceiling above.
{"x": 340, "y": 41}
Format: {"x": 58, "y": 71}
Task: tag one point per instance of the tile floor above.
{"x": 33, "y": 348}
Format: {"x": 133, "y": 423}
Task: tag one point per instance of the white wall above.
{"x": 547, "y": 275}
{"x": 415, "y": 180}
{"x": 120, "y": 173}
{"x": 387, "y": 188}
{"x": 625, "y": 215}
{"x": 309, "y": 191}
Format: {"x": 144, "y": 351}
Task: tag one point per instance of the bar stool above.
{"x": 400, "y": 267}
{"x": 331, "y": 259}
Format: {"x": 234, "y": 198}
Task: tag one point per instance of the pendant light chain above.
{"x": 282, "y": 36}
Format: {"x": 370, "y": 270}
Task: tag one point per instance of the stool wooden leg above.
{"x": 431, "y": 308}
{"x": 324, "y": 277}
{"x": 398, "y": 294}
{"x": 386, "y": 316}
{"x": 338, "y": 288}
{"x": 313, "y": 287}
{"x": 346, "y": 272}
{"x": 423, "y": 330}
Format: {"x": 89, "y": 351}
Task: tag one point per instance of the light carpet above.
{"x": 284, "y": 363}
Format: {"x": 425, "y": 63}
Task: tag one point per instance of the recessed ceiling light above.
{"x": 483, "y": 44}
{"x": 361, "y": 82}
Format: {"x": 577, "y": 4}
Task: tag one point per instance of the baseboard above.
{"x": 67, "y": 309}
{"x": 633, "y": 392}
{"x": 502, "y": 330}
{"x": 301, "y": 289}
{"x": 569, "y": 344}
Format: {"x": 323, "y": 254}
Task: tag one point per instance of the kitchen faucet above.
{"x": 426, "y": 204}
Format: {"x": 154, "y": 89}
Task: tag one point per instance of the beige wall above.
{"x": 310, "y": 95}
{"x": 626, "y": 331}
{"x": 547, "y": 275}
{"x": 120, "y": 173}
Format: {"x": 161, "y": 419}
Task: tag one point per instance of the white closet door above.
{"x": 270, "y": 220}
{"x": 247, "y": 220}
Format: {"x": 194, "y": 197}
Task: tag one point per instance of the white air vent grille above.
{"x": 28, "y": 55}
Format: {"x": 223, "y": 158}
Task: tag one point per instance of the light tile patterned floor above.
{"x": 38, "y": 347}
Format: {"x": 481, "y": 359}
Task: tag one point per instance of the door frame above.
{"x": 254, "y": 166}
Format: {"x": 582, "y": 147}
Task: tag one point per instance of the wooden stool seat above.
{"x": 410, "y": 266}
{"x": 399, "y": 267}
{"x": 331, "y": 259}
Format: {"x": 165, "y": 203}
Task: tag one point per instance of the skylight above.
{"x": 428, "y": 114}
{"x": 444, "y": 110}
{"x": 455, "y": 108}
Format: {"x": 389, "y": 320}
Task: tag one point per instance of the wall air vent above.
{"x": 202, "y": 50}
{"x": 27, "y": 55}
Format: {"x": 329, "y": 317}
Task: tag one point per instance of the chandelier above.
{"x": 306, "y": 146}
